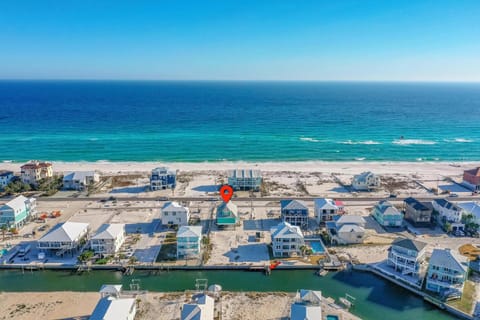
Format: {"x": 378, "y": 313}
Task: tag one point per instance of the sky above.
{"x": 364, "y": 40}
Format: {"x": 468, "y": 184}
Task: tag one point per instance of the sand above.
{"x": 435, "y": 168}
{"x": 153, "y": 305}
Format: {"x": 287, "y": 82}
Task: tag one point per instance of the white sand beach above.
{"x": 434, "y": 168}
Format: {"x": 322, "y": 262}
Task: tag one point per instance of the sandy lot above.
{"x": 153, "y": 305}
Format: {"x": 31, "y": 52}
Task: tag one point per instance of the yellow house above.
{"x": 33, "y": 171}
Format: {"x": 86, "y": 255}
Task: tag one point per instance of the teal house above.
{"x": 387, "y": 215}
{"x": 447, "y": 273}
{"x": 227, "y": 214}
{"x": 16, "y": 212}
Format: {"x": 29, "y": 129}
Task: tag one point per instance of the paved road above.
{"x": 349, "y": 199}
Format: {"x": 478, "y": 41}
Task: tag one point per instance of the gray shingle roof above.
{"x": 293, "y": 205}
{"x": 409, "y": 244}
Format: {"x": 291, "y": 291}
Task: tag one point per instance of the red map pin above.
{"x": 226, "y": 192}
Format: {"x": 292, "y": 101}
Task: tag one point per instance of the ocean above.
{"x": 230, "y": 121}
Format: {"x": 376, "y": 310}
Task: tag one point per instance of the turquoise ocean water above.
{"x": 252, "y": 121}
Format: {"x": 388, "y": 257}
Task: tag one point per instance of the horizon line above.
{"x": 241, "y": 80}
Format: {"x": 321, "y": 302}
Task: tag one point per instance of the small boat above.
{"x": 322, "y": 273}
{"x": 345, "y": 302}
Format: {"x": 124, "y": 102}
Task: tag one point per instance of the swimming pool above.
{"x": 316, "y": 246}
{"x": 332, "y": 317}
{"x": 3, "y": 252}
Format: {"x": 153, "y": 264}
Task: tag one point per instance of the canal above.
{"x": 375, "y": 297}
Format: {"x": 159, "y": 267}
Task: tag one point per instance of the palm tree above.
{"x": 4, "y": 229}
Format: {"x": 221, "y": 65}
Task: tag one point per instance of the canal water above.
{"x": 376, "y": 298}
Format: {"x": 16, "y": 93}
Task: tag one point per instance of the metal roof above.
{"x": 173, "y": 206}
{"x": 109, "y": 231}
{"x": 201, "y": 308}
{"x": 445, "y": 258}
{"x": 300, "y": 311}
{"x": 189, "y": 231}
{"x": 286, "y": 230}
{"x": 65, "y": 232}
{"x": 110, "y": 308}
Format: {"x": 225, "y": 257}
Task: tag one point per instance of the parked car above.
{"x": 453, "y": 195}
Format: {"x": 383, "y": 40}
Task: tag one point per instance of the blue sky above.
{"x": 241, "y": 40}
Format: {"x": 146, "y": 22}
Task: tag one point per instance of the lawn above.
{"x": 466, "y": 302}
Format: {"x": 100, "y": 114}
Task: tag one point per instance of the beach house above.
{"x": 447, "y": 273}
{"x": 64, "y": 238}
{"x": 448, "y": 213}
{"x": 327, "y": 209}
{"x": 307, "y": 305}
{"x": 366, "y": 181}
{"x": 163, "y": 178}
{"x": 80, "y": 180}
{"x": 418, "y": 213}
{"x": 471, "y": 179}
{"x": 294, "y": 212}
{"x": 227, "y": 214}
{"x": 173, "y": 214}
{"x": 202, "y": 307}
{"x": 407, "y": 256}
{"x": 15, "y": 213}
{"x": 346, "y": 229}
{"x": 108, "y": 239}
{"x": 34, "y": 171}
{"x": 387, "y": 215}
{"x": 113, "y": 308}
{"x": 287, "y": 240}
{"x": 189, "y": 241}
{"x": 5, "y": 178}
{"x": 245, "y": 179}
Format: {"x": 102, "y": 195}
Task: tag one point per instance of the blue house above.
{"x": 5, "y": 178}
{"x": 163, "y": 178}
{"x": 295, "y": 212}
{"x": 387, "y": 215}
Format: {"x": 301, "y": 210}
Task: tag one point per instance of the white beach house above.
{"x": 108, "y": 239}
{"x": 347, "y": 229}
{"x": 5, "y": 178}
{"x": 449, "y": 212}
{"x": 112, "y": 308}
{"x": 202, "y": 307}
{"x": 34, "y": 171}
{"x": 189, "y": 241}
{"x": 447, "y": 272}
{"x": 327, "y": 209}
{"x": 15, "y": 213}
{"x": 64, "y": 238}
{"x": 80, "y": 180}
{"x": 175, "y": 214}
{"x": 406, "y": 256}
{"x": 287, "y": 240}
{"x": 366, "y": 181}
{"x": 245, "y": 179}
{"x": 307, "y": 305}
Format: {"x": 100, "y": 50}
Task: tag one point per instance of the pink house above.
{"x": 471, "y": 178}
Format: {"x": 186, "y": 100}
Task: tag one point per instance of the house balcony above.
{"x": 445, "y": 284}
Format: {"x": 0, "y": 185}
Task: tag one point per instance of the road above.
{"x": 349, "y": 199}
